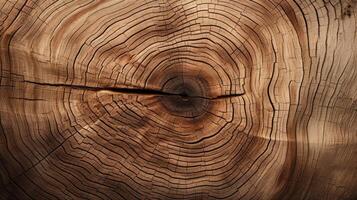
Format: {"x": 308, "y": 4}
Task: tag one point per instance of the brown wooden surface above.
{"x": 206, "y": 99}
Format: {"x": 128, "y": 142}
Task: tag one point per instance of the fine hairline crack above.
{"x": 138, "y": 91}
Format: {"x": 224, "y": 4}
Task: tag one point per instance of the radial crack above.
{"x": 138, "y": 91}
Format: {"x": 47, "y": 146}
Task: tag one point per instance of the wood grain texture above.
{"x": 178, "y": 99}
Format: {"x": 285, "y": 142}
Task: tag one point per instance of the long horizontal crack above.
{"x": 138, "y": 91}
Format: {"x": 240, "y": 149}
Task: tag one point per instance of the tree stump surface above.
{"x": 159, "y": 99}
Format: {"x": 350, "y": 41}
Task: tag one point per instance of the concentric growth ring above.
{"x": 176, "y": 99}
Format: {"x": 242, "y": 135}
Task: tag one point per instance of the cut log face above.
{"x": 209, "y": 99}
